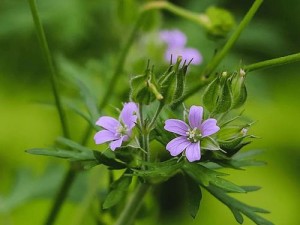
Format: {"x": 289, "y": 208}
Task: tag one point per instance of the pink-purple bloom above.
{"x": 117, "y": 131}
{"x": 190, "y": 134}
{"x": 176, "y": 41}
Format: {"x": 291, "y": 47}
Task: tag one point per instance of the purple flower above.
{"x": 176, "y": 41}
{"x": 190, "y": 135}
{"x": 117, "y": 131}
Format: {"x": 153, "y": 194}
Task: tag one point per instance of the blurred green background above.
{"x": 85, "y": 39}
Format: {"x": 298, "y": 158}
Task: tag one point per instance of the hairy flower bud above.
{"x": 218, "y": 22}
{"x": 172, "y": 81}
{"x": 231, "y": 138}
{"x": 238, "y": 89}
{"x": 144, "y": 88}
{"x": 217, "y": 97}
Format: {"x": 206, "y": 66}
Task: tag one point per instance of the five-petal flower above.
{"x": 117, "y": 131}
{"x": 190, "y": 134}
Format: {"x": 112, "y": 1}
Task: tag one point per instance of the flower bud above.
{"x": 238, "y": 89}
{"x": 218, "y": 22}
{"x": 217, "y": 97}
{"x": 172, "y": 83}
{"x": 144, "y": 88}
{"x": 231, "y": 138}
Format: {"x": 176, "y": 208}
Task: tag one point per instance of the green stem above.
{"x": 133, "y": 206}
{"x": 111, "y": 86}
{"x": 61, "y": 196}
{"x": 221, "y": 54}
{"x": 49, "y": 61}
{"x": 273, "y": 62}
{"x": 231, "y": 41}
{"x": 195, "y": 17}
{"x": 117, "y": 73}
{"x": 158, "y": 110}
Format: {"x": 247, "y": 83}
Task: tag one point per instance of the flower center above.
{"x": 194, "y": 135}
{"x": 122, "y": 130}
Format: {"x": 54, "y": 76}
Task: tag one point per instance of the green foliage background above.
{"x": 86, "y": 37}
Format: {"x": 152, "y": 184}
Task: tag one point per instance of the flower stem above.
{"x": 53, "y": 76}
{"x": 195, "y": 17}
{"x": 273, "y": 62}
{"x": 117, "y": 73}
{"x": 61, "y": 196}
{"x": 133, "y": 205}
{"x": 158, "y": 110}
{"x": 231, "y": 41}
{"x": 71, "y": 174}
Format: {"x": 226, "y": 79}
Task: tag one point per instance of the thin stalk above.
{"x": 117, "y": 73}
{"x": 273, "y": 62}
{"x": 53, "y": 76}
{"x": 157, "y": 112}
{"x": 133, "y": 206}
{"x": 231, "y": 41}
{"x": 186, "y": 14}
{"x": 71, "y": 174}
{"x": 61, "y": 196}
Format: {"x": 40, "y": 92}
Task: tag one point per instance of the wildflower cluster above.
{"x": 208, "y": 133}
{"x": 156, "y": 136}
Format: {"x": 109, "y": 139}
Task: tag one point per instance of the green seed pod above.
{"x": 168, "y": 82}
{"x": 238, "y": 89}
{"x": 225, "y": 99}
{"x": 211, "y": 94}
{"x": 180, "y": 82}
{"x": 144, "y": 88}
{"x": 217, "y": 97}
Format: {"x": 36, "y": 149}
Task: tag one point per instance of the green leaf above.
{"x": 210, "y": 96}
{"x": 238, "y": 216}
{"x": 27, "y": 187}
{"x": 194, "y": 195}
{"x": 111, "y": 162}
{"x": 238, "y": 207}
{"x": 238, "y": 161}
{"x": 205, "y": 177}
{"x": 62, "y": 153}
{"x": 157, "y": 172}
{"x": 72, "y": 106}
{"x": 118, "y": 191}
{"x": 209, "y": 144}
{"x": 76, "y": 152}
{"x": 74, "y": 75}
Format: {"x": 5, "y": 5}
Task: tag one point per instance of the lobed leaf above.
{"x": 194, "y": 195}
{"x": 205, "y": 177}
{"x": 238, "y": 208}
{"x": 118, "y": 191}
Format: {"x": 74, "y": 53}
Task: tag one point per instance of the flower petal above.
{"x": 116, "y": 144}
{"x": 176, "y": 126}
{"x": 104, "y": 136}
{"x": 191, "y": 54}
{"x": 173, "y": 38}
{"x": 195, "y": 116}
{"x": 177, "y": 145}
{"x": 209, "y": 127}
{"x": 108, "y": 123}
{"x": 128, "y": 114}
{"x": 193, "y": 152}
